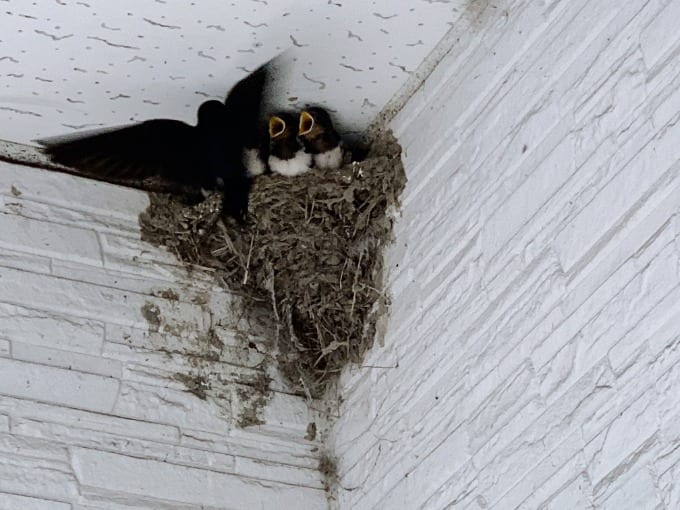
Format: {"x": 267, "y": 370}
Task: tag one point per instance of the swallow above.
{"x": 255, "y": 157}
{"x": 176, "y": 156}
{"x": 287, "y": 156}
{"x": 320, "y": 138}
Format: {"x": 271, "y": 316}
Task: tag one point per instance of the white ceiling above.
{"x": 67, "y": 64}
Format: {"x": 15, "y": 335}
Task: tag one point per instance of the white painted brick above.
{"x": 198, "y": 288}
{"x": 665, "y": 108}
{"x": 294, "y": 475}
{"x": 639, "y": 493}
{"x": 550, "y": 484}
{"x": 173, "y": 352}
{"x": 474, "y": 95}
{"x": 248, "y": 443}
{"x": 533, "y": 156}
{"x": 49, "y": 240}
{"x": 67, "y": 190}
{"x": 4, "y": 423}
{"x": 37, "y": 448}
{"x": 460, "y": 491}
{"x": 407, "y": 491}
{"x": 606, "y": 107}
{"x": 134, "y": 249}
{"x": 668, "y": 467}
{"x": 619, "y": 196}
{"x": 526, "y": 200}
{"x": 657, "y": 36}
{"x": 535, "y": 274}
{"x": 612, "y": 295}
{"x": 513, "y": 394}
{"x": 637, "y": 382}
{"x": 41, "y": 478}
{"x": 65, "y": 296}
{"x": 551, "y": 438}
{"x": 91, "y": 301}
{"x": 48, "y": 329}
{"x": 64, "y": 387}
{"x": 69, "y": 360}
{"x": 288, "y": 412}
{"x": 663, "y": 314}
{"x": 16, "y": 502}
{"x": 168, "y": 406}
{"x": 95, "y": 502}
{"x": 24, "y": 261}
{"x": 629, "y": 435}
{"x": 574, "y": 495}
{"x": 252, "y": 464}
{"x": 118, "y": 440}
{"x": 118, "y": 473}
{"x": 26, "y": 413}
{"x": 69, "y": 216}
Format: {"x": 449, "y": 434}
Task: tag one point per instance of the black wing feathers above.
{"x": 156, "y": 148}
{"x": 173, "y": 155}
{"x": 244, "y": 106}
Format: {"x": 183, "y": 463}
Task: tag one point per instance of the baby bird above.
{"x": 316, "y": 131}
{"x": 318, "y": 135}
{"x": 286, "y": 155}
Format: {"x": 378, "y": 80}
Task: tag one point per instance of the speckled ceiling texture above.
{"x": 69, "y": 64}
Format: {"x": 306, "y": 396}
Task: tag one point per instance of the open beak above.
{"x": 306, "y": 123}
{"x": 276, "y": 126}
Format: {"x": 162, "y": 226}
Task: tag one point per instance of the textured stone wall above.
{"x": 101, "y": 338}
{"x": 533, "y": 353}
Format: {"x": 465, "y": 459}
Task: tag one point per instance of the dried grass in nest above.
{"x": 311, "y": 251}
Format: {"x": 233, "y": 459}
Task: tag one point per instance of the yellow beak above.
{"x": 276, "y": 126}
{"x": 306, "y": 123}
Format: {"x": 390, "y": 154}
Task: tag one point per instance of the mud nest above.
{"x": 311, "y": 252}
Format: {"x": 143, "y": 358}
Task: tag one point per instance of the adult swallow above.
{"x": 185, "y": 159}
{"x": 286, "y": 155}
{"x": 255, "y": 157}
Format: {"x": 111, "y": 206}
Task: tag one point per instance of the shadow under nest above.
{"x": 311, "y": 252}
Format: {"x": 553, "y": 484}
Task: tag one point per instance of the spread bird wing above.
{"x": 156, "y": 150}
{"x": 245, "y": 105}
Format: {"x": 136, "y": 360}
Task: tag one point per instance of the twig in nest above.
{"x": 305, "y": 389}
{"x": 250, "y": 252}
{"x": 275, "y": 308}
{"x": 229, "y": 245}
{"x": 354, "y": 285}
{"x": 354, "y": 293}
{"x": 311, "y": 211}
{"x": 333, "y": 346}
{"x": 342, "y": 272}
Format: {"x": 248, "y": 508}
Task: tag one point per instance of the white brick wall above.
{"x": 91, "y": 413}
{"x": 533, "y": 352}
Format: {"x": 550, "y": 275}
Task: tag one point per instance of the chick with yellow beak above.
{"x": 286, "y": 155}
{"x": 320, "y": 139}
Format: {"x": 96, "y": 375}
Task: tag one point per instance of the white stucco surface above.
{"x": 68, "y": 64}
